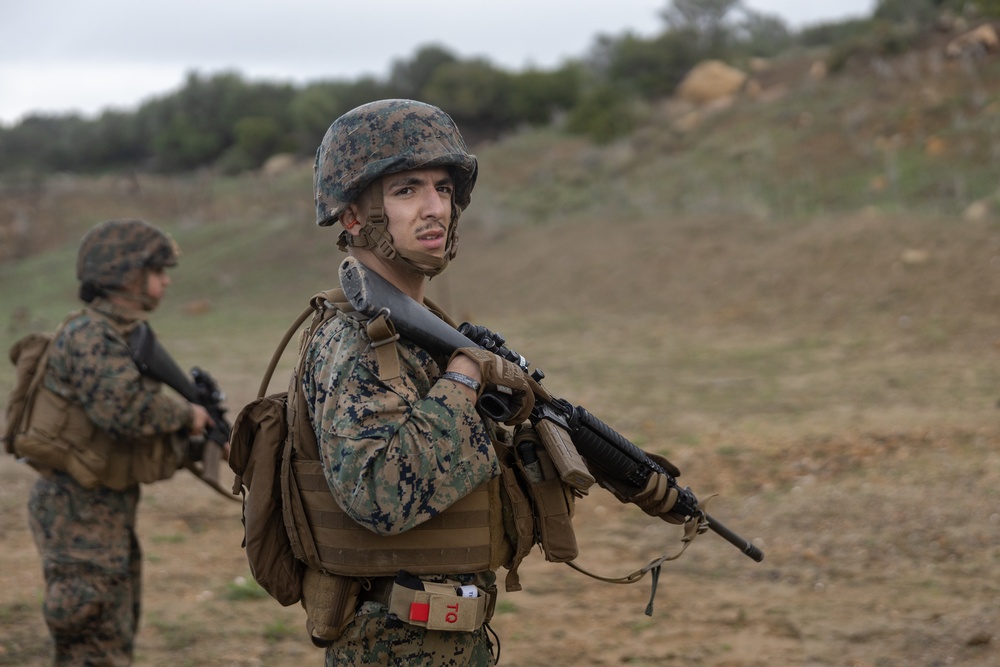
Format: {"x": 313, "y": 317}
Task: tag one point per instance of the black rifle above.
{"x": 626, "y": 467}
{"x": 200, "y": 387}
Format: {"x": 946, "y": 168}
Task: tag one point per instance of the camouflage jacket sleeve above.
{"x": 90, "y": 363}
{"x": 395, "y": 453}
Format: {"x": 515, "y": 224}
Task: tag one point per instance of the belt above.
{"x": 376, "y": 590}
{"x": 379, "y": 589}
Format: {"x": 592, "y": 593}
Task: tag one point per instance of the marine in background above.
{"x": 95, "y": 429}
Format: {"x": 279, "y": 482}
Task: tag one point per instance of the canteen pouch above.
{"x": 330, "y": 601}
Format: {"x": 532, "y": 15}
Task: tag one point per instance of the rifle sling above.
{"x": 692, "y": 529}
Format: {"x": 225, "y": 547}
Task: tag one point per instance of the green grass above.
{"x": 244, "y": 588}
{"x": 177, "y": 636}
{"x": 280, "y": 629}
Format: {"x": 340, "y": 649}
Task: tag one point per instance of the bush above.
{"x": 603, "y": 115}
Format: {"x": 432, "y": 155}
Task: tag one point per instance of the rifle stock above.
{"x": 603, "y": 448}
{"x": 155, "y": 362}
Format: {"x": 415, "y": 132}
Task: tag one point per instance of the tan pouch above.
{"x": 519, "y": 524}
{"x": 553, "y": 512}
{"x": 54, "y": 427}
{"x": 551, "y": 498}
{"x": 160, "y": 458}
{"x": 330, "y": 601}
{"x": 256, "y": 443}
{"x": 440, "y": 606}
{"x": 29, "y": 356}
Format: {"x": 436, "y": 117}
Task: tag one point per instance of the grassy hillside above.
{"x": 822, "y": 220}
{"x": 794, "y": 296}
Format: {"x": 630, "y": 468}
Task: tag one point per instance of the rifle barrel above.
{"x": 744, "y": 545}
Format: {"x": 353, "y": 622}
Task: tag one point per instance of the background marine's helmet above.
{"x": 382, "y": 138}
{"x": 114, "y": 253}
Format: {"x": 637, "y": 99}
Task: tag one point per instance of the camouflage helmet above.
{"x": 113, "y": 253}
{"x": 385, "y": 137}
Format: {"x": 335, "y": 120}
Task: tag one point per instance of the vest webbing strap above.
{"x": 383, "y": 336}
{"x": 42, "y": 366}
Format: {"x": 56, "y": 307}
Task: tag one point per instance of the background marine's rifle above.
{"x": 622, "y": 465}
{"x": 198, "y": 387}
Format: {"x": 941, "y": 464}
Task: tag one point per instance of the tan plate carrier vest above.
{"x": 55, "y": 433}
{"x": 466, "y": 538}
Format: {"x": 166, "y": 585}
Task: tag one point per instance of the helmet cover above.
{"x": 385, "y": 137}
{"x": 113, "y": 253}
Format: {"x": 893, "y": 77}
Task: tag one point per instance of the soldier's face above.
{"x": 157, "y": 282}
{"x": 418, "y": 205}
{"x": 151, "y": 287}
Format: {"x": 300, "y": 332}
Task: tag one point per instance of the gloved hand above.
{"x": 505, "y": 377}
{"x": 662, "y": 461}
{"x": 659, "y": 496}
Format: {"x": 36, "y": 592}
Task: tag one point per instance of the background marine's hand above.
{"x": 200, "y": 420}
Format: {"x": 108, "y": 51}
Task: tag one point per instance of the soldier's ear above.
{"x": 351, "y": 220}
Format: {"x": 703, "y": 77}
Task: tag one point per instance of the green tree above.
{"x": 476, "y": 94}
{"x": 183, "y": 144}
{"x": 762, "y": 34}
{"x": 113, "y": 141}
{"x": 257, "y": 138}
{"x": 834, "y": 32}
{"x": 43, "y": 142}
{"x": 708, "y": 19}
{"x": 197, "y": 125}
{"x": 921, "y": 12}
{"x": 315, "y": 107}
{"x": 988, "y": 8}
{"x": 408, "y": 78}
{"x": 537, "y": 95}
{"x": 647, "y": 67}
{"x": 603, "y": 114}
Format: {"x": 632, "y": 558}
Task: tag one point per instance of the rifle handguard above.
{"x": 624, "y": 465}
{"x": 626, "y": 469}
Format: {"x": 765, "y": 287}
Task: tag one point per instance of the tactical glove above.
{"x": 503, "y": 377}
{"x": 659, "y": 496}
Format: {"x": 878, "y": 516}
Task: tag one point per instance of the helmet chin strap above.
{"x": 142, "y": 300}
{"x": 374, "y": 235}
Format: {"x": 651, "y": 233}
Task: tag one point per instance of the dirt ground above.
{"x": 881, "y": 551}
{"x": 841, "y": 404}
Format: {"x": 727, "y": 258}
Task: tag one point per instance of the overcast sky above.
{"x": 88, "y": 56}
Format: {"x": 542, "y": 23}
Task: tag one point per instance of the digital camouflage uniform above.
{"x": 395, "y": 454}
{"x": 86, "y": 537}
{"x": 400, "y": 452}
